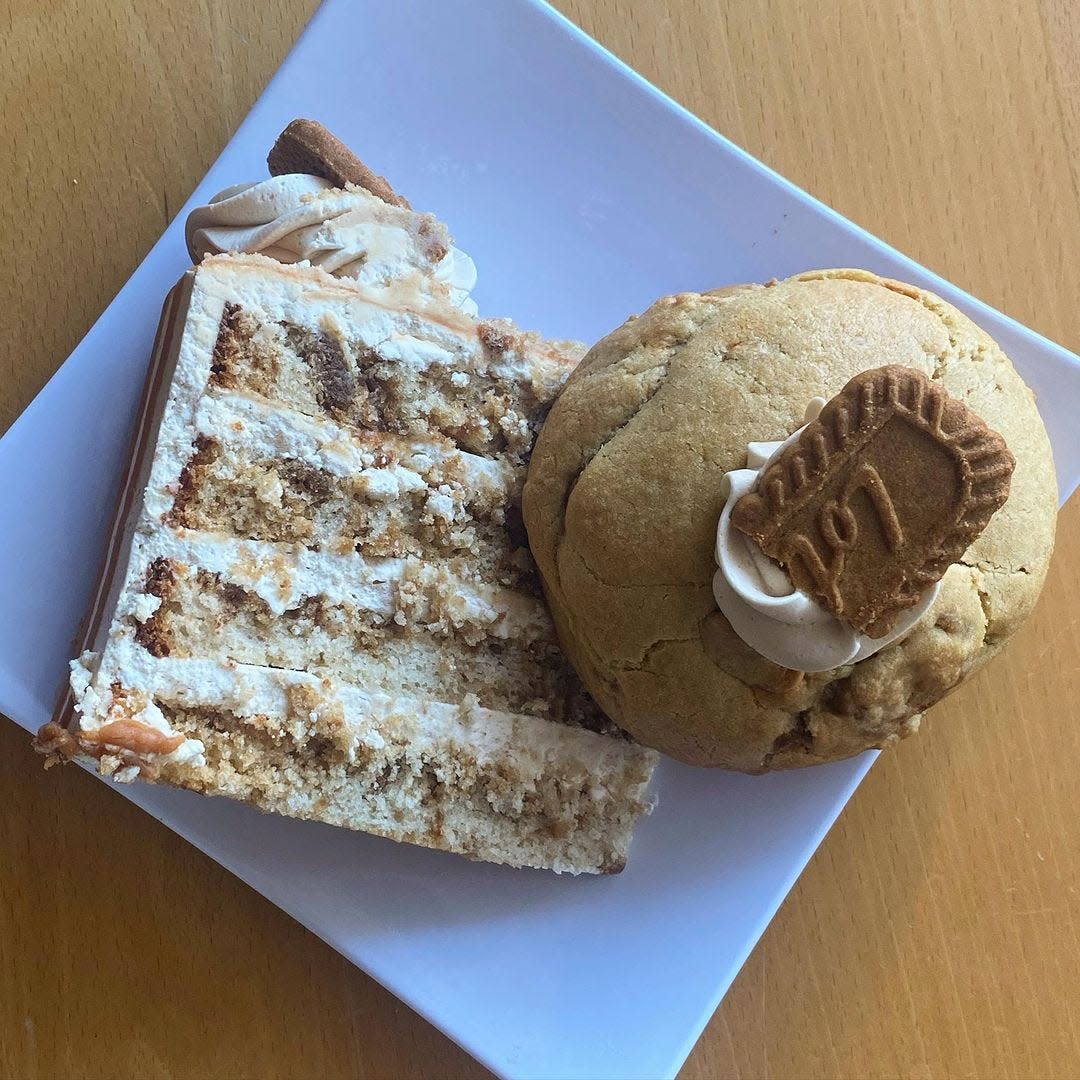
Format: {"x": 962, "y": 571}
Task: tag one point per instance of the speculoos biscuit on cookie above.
{"x": 646, "y": 451}
{"x": 879, "y": 496}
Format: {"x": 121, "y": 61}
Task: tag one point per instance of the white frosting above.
{"x": 348, "y": 232}
{"x": 775, "y": 619}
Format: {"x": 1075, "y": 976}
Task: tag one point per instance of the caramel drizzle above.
{"x": 133, "y": 735}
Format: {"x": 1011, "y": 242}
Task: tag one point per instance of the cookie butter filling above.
{"x": 757, "y": 597}
{"x": 347, "y": 232}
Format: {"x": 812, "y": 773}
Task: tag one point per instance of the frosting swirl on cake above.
{"x": 757, "y": 597}
{"x": 346, "y": 231}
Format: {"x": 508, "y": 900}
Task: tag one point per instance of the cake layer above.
{"x": 569, "y": 818}
{"x": 491, "y": 784}
{"x": 280, "y": 431}
{"x": 423, "y": 638}
{"x": 446, "y": 597}
{"x": 391, "y": 511}
{"x": 486, "y": 389}
{"x": 274, "y": 474}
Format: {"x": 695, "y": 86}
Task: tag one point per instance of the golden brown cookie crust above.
{"x": 623, "y": 496}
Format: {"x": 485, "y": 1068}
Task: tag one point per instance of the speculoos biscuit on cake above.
{"x": 625, "y": 490}
{"x": 305, "y": 146}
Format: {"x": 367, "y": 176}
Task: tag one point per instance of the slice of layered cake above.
{"x": 318, "y": 595}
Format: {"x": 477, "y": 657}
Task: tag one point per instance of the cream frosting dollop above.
{"x": 347, "y": 231}
{"x": 758, "y": 599}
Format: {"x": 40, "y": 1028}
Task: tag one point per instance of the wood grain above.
{"x": 935, "y": 934}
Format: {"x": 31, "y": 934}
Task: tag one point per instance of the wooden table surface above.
{"x": 935, "y": 933}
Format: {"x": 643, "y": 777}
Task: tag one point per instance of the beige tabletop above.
{"x": 937, "y": 931}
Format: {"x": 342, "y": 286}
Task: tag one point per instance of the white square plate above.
{"x": 583, "y": 194}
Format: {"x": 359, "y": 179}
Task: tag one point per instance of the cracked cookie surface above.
{"x": 623, "y": 496}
